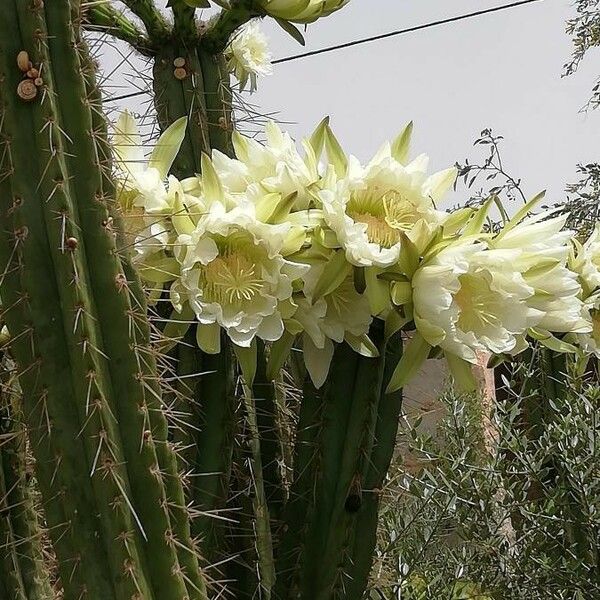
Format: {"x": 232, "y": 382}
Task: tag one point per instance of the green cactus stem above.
{"x": 110, "y": 487}
{"x": 23, "y": 573}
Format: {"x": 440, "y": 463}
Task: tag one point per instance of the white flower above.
{"x": 587, "y": 261}
{"x": 468, "y": 299}
{"x": 248, "y": 55}
{"x": 301, "y": 11}
{"x": 145, "y": 183}
{"x": 590, "y": 342}
{"x": 372, "y": 207}
{"x": 233, "y": 275}
{"x": 275, "y": 167}
{"x": 544, "y": 247}
{"x": 342, "y": 315}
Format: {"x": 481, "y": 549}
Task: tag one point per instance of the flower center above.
{"x": 476, "y": 301}
{"x": 386, "y": 214}
{"x": 231, "y": 278}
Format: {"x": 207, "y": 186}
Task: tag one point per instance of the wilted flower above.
{"x": 248, "y": 55}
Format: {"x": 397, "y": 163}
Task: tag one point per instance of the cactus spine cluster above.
{"x": 279, "y": 505}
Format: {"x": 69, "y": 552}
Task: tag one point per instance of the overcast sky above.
{"x": 501, "y": 70}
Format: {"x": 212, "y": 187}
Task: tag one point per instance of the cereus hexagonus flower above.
{"x": 371, "y": 208}
{"x": 248, "y": 55}
{"x": 233, "y": 276}
{"x": 468, "y": 299}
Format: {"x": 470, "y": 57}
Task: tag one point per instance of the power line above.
{"x": 375, "y": 38}
{"x": 383, "y": 36}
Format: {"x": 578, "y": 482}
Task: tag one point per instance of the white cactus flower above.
{"x": 468, "y": 299}
{"x": 275, "y": 167}
{"x": 342, "y": 315}
{"x": 233, "y": 275}
{"x": 544, "y": 248}
{"x": 587, "y": 261}
{"x": 248, "y": 55}
{"x": 372, "y": 207}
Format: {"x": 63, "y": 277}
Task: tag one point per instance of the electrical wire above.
{"x": 390, "y": 34}
{"x": 375, "y": 38}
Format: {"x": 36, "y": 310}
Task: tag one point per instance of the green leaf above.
{"x": 462, "y": 372}
{"x": 415, "y": 354}
{"x": 401, "y": 145}
{"x": 334, "y": 273}
{"x": 167, "y": 147}
{"x": 291, "y": 30}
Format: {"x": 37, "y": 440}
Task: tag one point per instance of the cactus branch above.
{"x": 104, "y": 18}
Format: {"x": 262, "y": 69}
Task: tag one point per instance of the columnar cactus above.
{"x": 111, "y": 491}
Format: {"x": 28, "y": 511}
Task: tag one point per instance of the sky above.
{"x": 501, "y": 70}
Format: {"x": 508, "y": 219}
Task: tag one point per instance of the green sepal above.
{"x": 401, "y": 145}
{"x": 415, "y": 354}
{"x": 167, "y": 147}
{"x": 523, "y": 212}
{"x": 462, "y": 372}
{"x": 550, "y": 341}
{"x": 317, "y": 139}
{"x": 292, "y": 30}
{"x": 360, "y": 283}
{"x": 247, "y": 359}
{"x": 334, "y": 273}
{"x": 475, "y": 225}
{"x": 280, "y": 350}
{"x": 208, "y": 338}
{"x": 362, "y": 345}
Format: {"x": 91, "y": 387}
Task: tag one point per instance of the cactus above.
{"x": 23, "y": 573}
{"x": 111, "y": 492}
{"x": 110, "y": 482}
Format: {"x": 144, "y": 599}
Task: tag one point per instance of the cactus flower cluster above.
{"x": 283, "y": 245}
